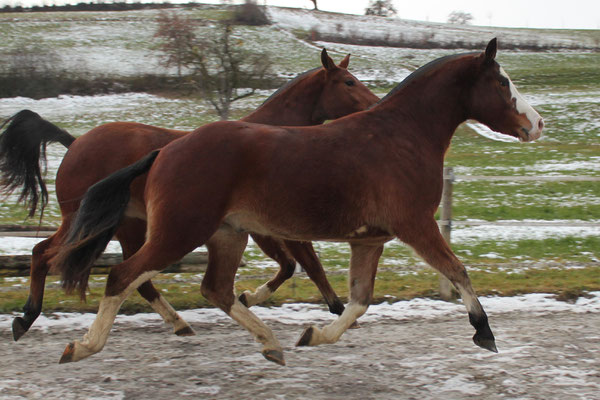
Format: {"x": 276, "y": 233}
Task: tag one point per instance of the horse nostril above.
{"x": 541, "y": 124}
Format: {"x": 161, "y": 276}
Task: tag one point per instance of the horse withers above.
{"x": 364, "y": 179}
{"x": 320, "y": 94}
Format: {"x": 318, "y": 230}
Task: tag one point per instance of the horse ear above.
{"x": 490, "y": 50}
{"x": 327, "y": 62}
{"x": 344, "y": 62}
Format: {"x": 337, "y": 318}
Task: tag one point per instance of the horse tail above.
{"x": 23, "y": 156}
{"x": 100, "y": 213}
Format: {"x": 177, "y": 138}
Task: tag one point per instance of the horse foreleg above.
{"x": 225, "y": 250}
{"x": 363, "y": 267}
{"x": 274, "y": 249}
{"x": 307, "y": 258}
{"x": 38, "y": 272}
{"x": 131, "y": 235}
{"x": 432, "y": 247}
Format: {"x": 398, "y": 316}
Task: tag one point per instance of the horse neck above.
{"x": 430, "y": 108}
{"x": 294, "y": 106}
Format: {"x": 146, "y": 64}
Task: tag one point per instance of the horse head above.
{"x": 342, "y": 93}
{"x": 495, "y": 101}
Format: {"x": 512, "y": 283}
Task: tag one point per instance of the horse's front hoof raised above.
{"x": 274, "y": 355}
{"x": 485, "y": 342}
{"x": 19, "y": 328}
{"x": 67, "y": 356}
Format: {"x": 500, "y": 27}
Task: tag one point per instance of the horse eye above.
{"x": 503, "y": 83}
{"x": 349, "y": 83}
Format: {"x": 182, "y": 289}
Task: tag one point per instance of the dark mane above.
{"x": 290, "y": 83}
{"x": 432, "y": 65}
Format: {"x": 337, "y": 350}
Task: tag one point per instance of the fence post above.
{"x": 446, "y": 288}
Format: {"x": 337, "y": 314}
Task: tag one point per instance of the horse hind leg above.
{"x": 38, "y": 272}
{"x": 287, "y": 265}
{"x": 225, "y": 250}
{"x": 363, "y": 267}
{"x": 123, "y": 279}
{"x": 131, "y": 235}
{"x": 432, "y": 247}
{"x": 163, "y": 308}
{"x": 286, "y": 254}
{"x": 307, "y": 258}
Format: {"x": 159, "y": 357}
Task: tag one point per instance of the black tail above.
{"x": 96, "y": 222}
{"x": 23, "y": 156}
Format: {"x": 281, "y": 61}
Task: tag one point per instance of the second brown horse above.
{"x": 320, "y": 94}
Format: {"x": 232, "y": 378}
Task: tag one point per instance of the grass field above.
{"x": 563, "y": 86}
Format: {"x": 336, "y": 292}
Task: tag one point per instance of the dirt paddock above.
{"x": 542, "y": 356}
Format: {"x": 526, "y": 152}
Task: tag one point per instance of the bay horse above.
{"x": 320, "y": 94}
{"x": 364, "y": 179}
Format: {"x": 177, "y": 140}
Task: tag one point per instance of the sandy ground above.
{"x": 542, "y": 356}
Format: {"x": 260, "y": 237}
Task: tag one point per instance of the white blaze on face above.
{"x": 536, "y": 121}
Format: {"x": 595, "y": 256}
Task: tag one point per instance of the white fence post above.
{"x": 446, "y": 288}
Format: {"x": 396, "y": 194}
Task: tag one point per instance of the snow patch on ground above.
{"x": 302, "y": 313}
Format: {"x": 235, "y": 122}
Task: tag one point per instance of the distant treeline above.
{"x": 116, "y": 6}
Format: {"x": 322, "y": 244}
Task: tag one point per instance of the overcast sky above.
{"x": 571, "y": 14}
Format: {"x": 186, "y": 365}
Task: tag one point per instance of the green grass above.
{"x": 184, "y": 291}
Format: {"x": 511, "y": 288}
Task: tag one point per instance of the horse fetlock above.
{"x": 250, "y": 299}
{"x": 76, "y": 351}
{"x": 313, "y": 336}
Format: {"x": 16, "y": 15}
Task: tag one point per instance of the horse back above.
{"x": 104, "y": 150}
{"x": 285, "y": 181}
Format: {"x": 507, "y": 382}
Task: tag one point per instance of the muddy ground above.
{"x": 549, "y": 356}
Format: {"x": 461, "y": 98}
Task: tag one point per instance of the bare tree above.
{"x": 381, "y": 8}
{"x": 176, "y": 34}
{"x": 460, "y": 18}
{"x": 250, "y": 13}
{"x": 218, "y": 67}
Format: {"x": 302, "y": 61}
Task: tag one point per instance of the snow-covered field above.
{"x": 104, "y": 44}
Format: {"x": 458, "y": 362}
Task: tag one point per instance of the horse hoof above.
{"x": 19, "y": 327}
{"x": 306, "y": 336}
{"x": 67, "y": 356}
{"x": 185, "y": 331}
{"x": 485, "y": 343}
{"x": 243, "y": 299}
{"x": 274, "y": 355}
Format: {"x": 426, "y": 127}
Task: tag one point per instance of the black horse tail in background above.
{"x": 23, "y": 157}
